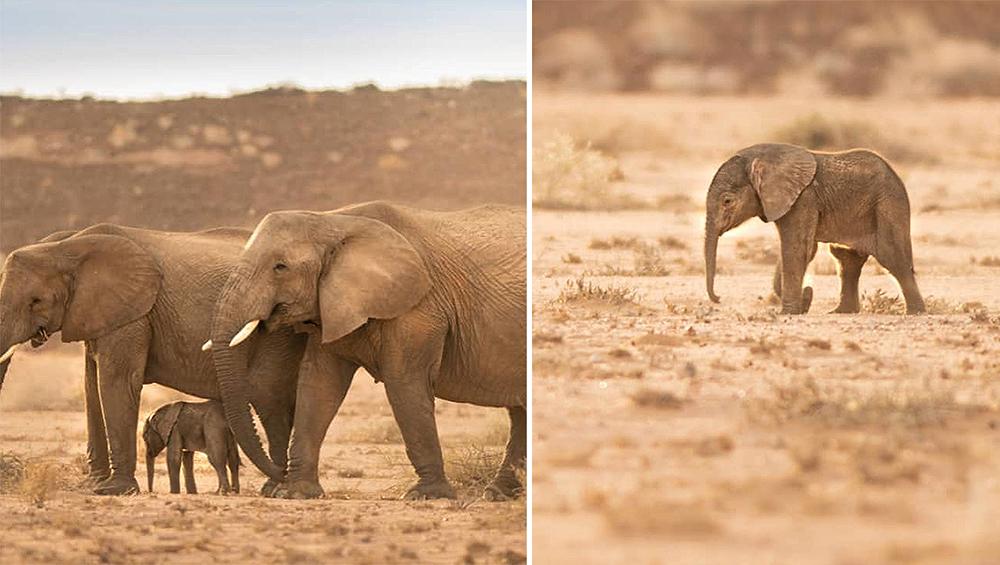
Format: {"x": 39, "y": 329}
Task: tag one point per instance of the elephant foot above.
{"x": 846, "y": 309}
{"x": 915, "y": 309}
{"x": 95, "y": 478}
{"x": 429, "y": 490}
{"x": 298, "y": 490}
{"x": 503, "y": 488}
{"x": 269, "y": 487}
{"x": 117, "y": 486}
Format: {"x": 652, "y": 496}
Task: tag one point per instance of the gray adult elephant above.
{"x": 142, "y": 302}
{"x": 430, "y": 303}
{"x": 852, "y": 200}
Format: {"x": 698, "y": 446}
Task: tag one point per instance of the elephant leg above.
{"x": 233, "y": 459}
{"x": 120, "y": 377}
{"x": 895, "y": 253}
{"x": 849, "y": 265}
{"x": 187, "y": 461}
{"x": 506, "y": 485}
{"x": 274, "y": 372}
{"x": 174, "y": 463}
{"x": 217, "y": 457}
{"x": 798, "y": 245}
{"x": 323, "y": 383}
{"x": 413, "y": 407}
{"x": 776, "y": 280}
{"x": 98, "y": 461}
{"x": 277, "y": 423}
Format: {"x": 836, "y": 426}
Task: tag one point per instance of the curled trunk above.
{"x": 711, "y": 246}
{"x": 231, "y": 368}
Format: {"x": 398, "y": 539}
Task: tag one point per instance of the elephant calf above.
{"x": 852, "y": 200}
{"x": 183, "y": 428}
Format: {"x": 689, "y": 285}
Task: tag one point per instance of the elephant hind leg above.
{"x": 187, "y": 462}
{"x": 506, "y": 484}
{"x": 894, "y": 252}
{"x": 849, "y": 265}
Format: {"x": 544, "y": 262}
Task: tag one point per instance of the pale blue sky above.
{"x": 137, "y": 49}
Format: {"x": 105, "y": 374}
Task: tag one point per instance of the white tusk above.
{"x": 244, "y": 333}
{"x": 10, "y": 353}
{"x": 207, "y": 346}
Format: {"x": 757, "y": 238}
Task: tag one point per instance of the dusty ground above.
{"x": 671, "y": 430}
{"x": 364, "y": 470}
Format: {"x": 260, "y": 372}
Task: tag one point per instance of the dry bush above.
{"x": 757, "y": 250}
{"x": 671, "y": 242}
{"x": 471, "y": 468}
{"x": 572, "y": 259}
{"x": 879, "y": 302}
{"x": 833, "y": 407}
{"x": 813, "y": 131}
{"x": 615, "y": 242}
{"x": 567, "y": 177}
{"x": 582, "y": 290}
{"x": 647, "y": 514}
{"x": 657, "y": 398}
{"x": 11, "y": 472}
{"x": 649, "y": 262}
{"x": 42, "y": 479}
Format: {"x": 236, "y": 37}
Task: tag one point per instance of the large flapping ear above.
{"x": 779, "y": 173}
{"x": 165, "y": 418}
{"x": 115, "y": 281}
{"x": 371, "y": 271}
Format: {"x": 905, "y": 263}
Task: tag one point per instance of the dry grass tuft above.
{"x": 11, "y": 472}
{"x": 850, "y": 408}
{"x": 42, "y": 479}
{"x": 657, "y": 398}
{"x": 879, "y": 302}
{"x": 567, "y": 177}
{"x": 471, "y": 468}
{"x": 582, "y": 290}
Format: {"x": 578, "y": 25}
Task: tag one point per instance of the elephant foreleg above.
{"x": 506, "y": 484}
{"x": 323, "y": 383}
{"x": 98, "y": 461}
{"x": 187, "y": 461}
{"x": 120, "y": 376}
{"x": 174, "y": 463}
{"x": 798, "y": 246}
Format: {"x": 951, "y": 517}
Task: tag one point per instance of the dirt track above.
{"x": 672, "y": 430}
{"x": 363, "y": 469}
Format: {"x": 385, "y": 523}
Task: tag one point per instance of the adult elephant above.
{"x": 430, "y": 303}
{"x": 141, "y": 301}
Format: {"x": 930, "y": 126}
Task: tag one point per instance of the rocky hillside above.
{"x": 200, "y": 162}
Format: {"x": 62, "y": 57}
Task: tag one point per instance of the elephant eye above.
{"x": 35, "y": 301}
{"x": 727, "y": 200}
{"x": 280, "y": 267}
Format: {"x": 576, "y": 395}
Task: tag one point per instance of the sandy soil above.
{"x": 363, "y": 470}
{"x": 668, "y": 429}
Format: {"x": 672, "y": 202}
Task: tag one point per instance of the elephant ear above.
{"x": 371, "y": 271}
{"x": 779, "y": 173}
{"x": 165, "y": 418}
{"x": 114, "y": 282}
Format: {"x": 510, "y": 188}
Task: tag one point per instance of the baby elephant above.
{"x": 852, "y": 200}
{"x": 183, "y": 428}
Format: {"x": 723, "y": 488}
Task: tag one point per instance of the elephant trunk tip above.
{"x": 713, "y": 297}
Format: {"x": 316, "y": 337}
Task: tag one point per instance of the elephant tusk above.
{"x": 10, "y": 353}
{"x": 207, "y": 346}
{"x": 244, "y": 333}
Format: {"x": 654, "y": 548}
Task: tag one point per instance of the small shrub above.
{"x": 671, "y": 242}
{"x": 582, "y": 290}
{"x": 11, "y": 472}
{"x": 572, "y": 259}
{"x": 813, "y": 131}
{"x": 879, "y": 302}
{"x": 656, "y": 398}
{"x": 565, "y": 176}
{"x": 472, "y": 468}
{"x": 42, "y": 479}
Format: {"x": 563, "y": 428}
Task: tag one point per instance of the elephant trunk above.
{"x": 150, "y": 467}
{"x": 711, "y": 246}
{"x": 231, "y": 368}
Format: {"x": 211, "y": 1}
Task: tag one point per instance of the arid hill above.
{"x": 201, "y": 162}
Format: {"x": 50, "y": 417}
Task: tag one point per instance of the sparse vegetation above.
{"x": 657, "y": 398}
{"x": 582, "y": 290}
{"x": 471, "y": 468}
{"x": 11, "y": 472}
{"x": 814, "y": 131}
{"x": 565, "y": 176}
{"x": 879, "y": 302}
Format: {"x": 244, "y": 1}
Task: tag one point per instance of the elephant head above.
{"x": 763, "y": 180}
{"x": 86, "y": 286}
{"x": 330, "y": 271}
{"x": 155, "y": 431}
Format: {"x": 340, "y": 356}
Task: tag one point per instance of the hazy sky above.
{"x": 136, "y": 49}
